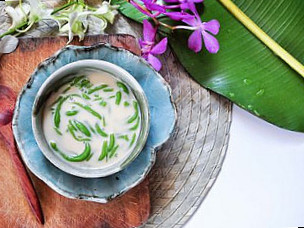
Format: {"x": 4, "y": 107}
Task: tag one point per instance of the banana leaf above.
{"x": 245, "y": 70}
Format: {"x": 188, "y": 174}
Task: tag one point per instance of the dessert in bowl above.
{"x": 91, "y": 118}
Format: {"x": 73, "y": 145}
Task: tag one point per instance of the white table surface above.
{"x": 261, "y": 184}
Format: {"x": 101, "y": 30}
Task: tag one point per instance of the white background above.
{"x": 261, "y": 184}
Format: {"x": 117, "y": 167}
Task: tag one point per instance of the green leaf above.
{"x": 128, "y": 10}
{"x": 245, "y": 70}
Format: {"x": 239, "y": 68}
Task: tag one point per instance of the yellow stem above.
{"x": 267, "y": 40}
{"x": 166, "y": 25}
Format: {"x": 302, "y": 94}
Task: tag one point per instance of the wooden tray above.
{"x": 131, "y": 209}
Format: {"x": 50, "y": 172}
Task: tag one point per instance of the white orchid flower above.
{"x": 37, "y": 13}
{"x": 19, "y": 15}
{"x": 65, "y": 17}
{"x": 77, "y": 25}
{"x": 106, "y": 11}
{"x": 27, "y": 14}
{"x": 73, "y": 18}
{"x": 8, "y": 44}
{"x": 102, "y": 15}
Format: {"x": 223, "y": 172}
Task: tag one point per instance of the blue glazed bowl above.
{"x": 162, "y": 111}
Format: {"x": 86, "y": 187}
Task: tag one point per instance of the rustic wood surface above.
{"x": 132, "y": 209}
{"x": 7, "y": 105}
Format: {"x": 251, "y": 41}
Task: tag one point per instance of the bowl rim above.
{"x": 118, "y": 73}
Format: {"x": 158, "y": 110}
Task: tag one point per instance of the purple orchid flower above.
{"x": 202, "y": 31}
{"x": 152, "y": 9}
{"x": 148, "y": 46}
{"x": 184, "y": 4}
{"x": 151, "y": 6}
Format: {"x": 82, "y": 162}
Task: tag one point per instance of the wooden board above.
{"x": 131, "y": 209}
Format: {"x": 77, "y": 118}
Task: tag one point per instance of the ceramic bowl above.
{"x": 61, "y": 77}
{"x": 161, "y": 107}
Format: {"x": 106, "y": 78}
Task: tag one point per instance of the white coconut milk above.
{"x": 97, "y": 101}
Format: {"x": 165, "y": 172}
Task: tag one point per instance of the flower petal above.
{"x": 141, "y": 43}
{"x": 161, "y": 47}
{"x": 191, "y": 21}
{"x": 155, "y": 7}
{"x": 184, "y": 5}
{"x": 212, "y": 26}
{"x": 72, "y": 19}
{"x": 193, "y": 9}
{"x": 23, "y": 9}
{"x": 211, "y": 43}
{"x": 169, "y": 1}
{"x": 195, "y": 41}
{"x": 13, "y": 14}
{"x": 18, "y": 14}
{"x": 155, "y": 63}
{"x": 8, "y": 44}
{"x": 149, "y": 31}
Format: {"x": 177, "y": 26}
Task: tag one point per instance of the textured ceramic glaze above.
{"x": 163, "y": 117}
